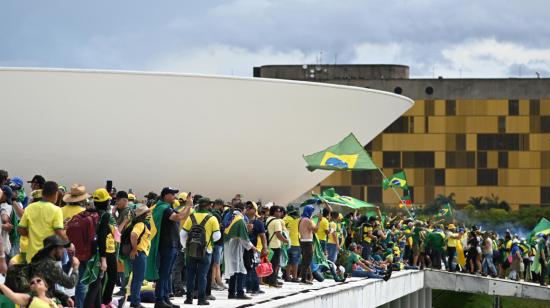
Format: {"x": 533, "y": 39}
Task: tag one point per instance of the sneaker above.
{"x": 210, "y": 297}
{"x": 306, "y": 282}
{"x": 171, "y": 304}
{"x": 243, "y": 296}
{"x": 217, "y": 287}
{"x": 278, "y": 286}
{"x": 203, "y": 303}
{"x": 188, "y": 301}
{"x": 162, "y": 305}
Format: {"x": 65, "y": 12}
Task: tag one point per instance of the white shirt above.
{"x": 6, "y": 209}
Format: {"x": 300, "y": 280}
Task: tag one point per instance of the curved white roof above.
{"x": 207, "y": 134}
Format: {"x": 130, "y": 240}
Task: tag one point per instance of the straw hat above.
{"x": 76, "y": 194}
{"x": 142, "y": 209}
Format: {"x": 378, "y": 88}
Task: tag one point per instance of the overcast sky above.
{"x": 434, "y": 37}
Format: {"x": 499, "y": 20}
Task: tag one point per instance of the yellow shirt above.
{"x": 211, "y": 226}
{"x": 145, "y": 241}
{"x": 274, "y": 225}
{"x": 332, "y": 226}
{"x": 41, "y": 219}
{"x": 40, "y": 303}
{"x": 323, "y": 228}
{"x": 451, "y": 242}
{"x": 70, "y": 210}
{"x": 366, "y": 230}
{"x": 292, "y": 226}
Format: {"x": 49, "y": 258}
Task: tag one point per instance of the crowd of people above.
{"x": 65, "y": 247}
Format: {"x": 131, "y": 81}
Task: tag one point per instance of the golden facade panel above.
{"x": 523, "y": 107}
{"x": 518, "y": 124}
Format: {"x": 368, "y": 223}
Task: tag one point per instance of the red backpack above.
{"x": 81, "y": 232}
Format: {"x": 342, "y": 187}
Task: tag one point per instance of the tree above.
{"x": 476, "y": 202}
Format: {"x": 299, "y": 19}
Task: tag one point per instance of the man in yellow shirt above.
{"x": 452, "y": 240}
{"x": 291, "y": 221}
{"x": 141, "y": 241}
{"x": 42, "y": 219}
{"x": 324, "y": 229}
{"x": 274, "y": 226}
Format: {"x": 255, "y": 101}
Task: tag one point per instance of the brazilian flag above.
{"x": 446, "y": 212}
{"x": 543, "y": 227}
{"x": 398, "y": 180}
{"x": 348, "y": 154}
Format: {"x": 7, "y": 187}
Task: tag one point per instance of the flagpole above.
{"x": 396, "y": 193}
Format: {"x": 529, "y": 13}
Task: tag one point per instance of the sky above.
{"x": 434, "y": 37}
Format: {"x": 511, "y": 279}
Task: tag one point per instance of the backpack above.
{"x": 125, "y": 239}
{"x": 196, "y": 239}
{"x": 17, "y": 278}
{"x": 81, "y": 232}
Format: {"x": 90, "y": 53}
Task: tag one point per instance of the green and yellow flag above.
{"x": 445, "y": 212}
{"x": 398, "y": 180}
{"x": 348, "y": 154}
{"x": 153, "y": 260}
{"x": 542, "y": 227}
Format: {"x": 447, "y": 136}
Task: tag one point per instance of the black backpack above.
{"x": 125, "y": 239}
{"x": 196, "y": 243}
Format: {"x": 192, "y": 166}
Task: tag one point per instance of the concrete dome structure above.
{"x": 211, "y": 135}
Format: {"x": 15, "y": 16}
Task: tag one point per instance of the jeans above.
{"x": 451, "y": 253}
{"x": 81, "y": 289}
{"x": 366, "y": 274}
{"x": 178, "y": 272}
{"x": 236, "y": 284}
{"x": 436, "y": 258}
{"x": 275, "y": 261}
{"x": 139, "y": 265}
{"x": 109, "y": 280}
{"x": 197, "y": 268}
{"x": 252, "y": 280}
{"x": 488, "y": 264}
{"x": 307, "y": 257}
{"x": 332, "y": 252}
{"x": 164, "y": 284}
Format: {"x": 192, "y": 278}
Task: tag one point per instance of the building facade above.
{"x": 470, "y": 137}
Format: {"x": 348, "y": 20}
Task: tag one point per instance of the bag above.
{"x": 196, "y": 244}
{"x": 81, "y": 232}
{"x": 265, "y": 268}
{"x": 270, "y": 237}
{"x": 17, "y": 278}
{"x": 126, "y": 239}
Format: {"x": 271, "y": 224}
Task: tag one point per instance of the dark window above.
{"x": 460, "y": 159}
{"x": 524, "y": 142}
{"x": 367, "y": 177}
{"x": 487, "y": 177}
{"x": 430, "y": 107}
{"x": 426, "y": 124}
{"x": 513, "y": 107}
{"x": 400, "y": 125}
{"x": 429, "y": 90}
{"x": 439, "y": 177}
{"x": 545, "y": 195}
{"x": 418, "y": 159}
{"x": 534, "y": 107}
{"x": 450, "y": 107}
{"x": 391, "y": 159}
{"x": 460, "y": 141}
{"x": 502, "y": 142}
{"x": 545, "y": 159}
{"x": 503, "y": 159}
{"x": 501, "y": 124}
{"x": 358, "y": 192}
{"x": 341, "y": 190}
{"x": 374, "y": 194}
{"x": 257, "y": 71}
{"x": 545, "y": 124}
{"x": 482, "y": 159}
{"x": 397, "y": 90}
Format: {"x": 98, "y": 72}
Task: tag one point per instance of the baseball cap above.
{"x": 17, "y": 181}
{"x": 151, "y": 195}
{"x": 121, "y": 194}
{"x": 205, "y": 200}
{"x": 38, "y": 179}
{"x": 182, "y": 196}
{"x": 168, "y": 190}
{"x": 131, "y": 197}
{"x": 101, "y": 195}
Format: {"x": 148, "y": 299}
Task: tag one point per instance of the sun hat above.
{"x": 142, "y": 209}
{"x": 77, "y": 193}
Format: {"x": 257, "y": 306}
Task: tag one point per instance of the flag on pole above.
{"x": 331, "y": 197}
{"x": 348, "y": 154}
{"x": 398, "y": 180}
{"x": 445, "y": 212}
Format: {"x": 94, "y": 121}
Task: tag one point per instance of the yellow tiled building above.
{"x": 470, "y": 137}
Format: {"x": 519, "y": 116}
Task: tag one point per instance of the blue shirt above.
{"x": 257, "y": 229}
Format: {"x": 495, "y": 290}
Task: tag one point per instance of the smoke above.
{"x": 500, "y": 227}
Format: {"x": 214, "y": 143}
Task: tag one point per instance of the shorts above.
{"x": 294, "y": 255}
{"x": 217, "y": 254}
{"x": 416, "y": 249}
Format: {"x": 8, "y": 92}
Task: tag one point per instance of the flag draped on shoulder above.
{"x": 398, "y": 180}
{"x": 348, "y": 154}
{"x": 236, "y": 229}
{"x": 153, "y": 260}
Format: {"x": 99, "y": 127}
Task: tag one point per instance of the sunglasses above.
{"x": 35, "y": 281}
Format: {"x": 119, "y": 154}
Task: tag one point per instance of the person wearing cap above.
{"x": 75, "y": 201}
{"x": 291, "y": 221}
{"x": 42, "y": 219}
{"x": 45, "y": 263}
{"x": 151, "y": 198}
{"x": 256, "y": 233}
{"x": 37, "y": 183}
{"x": 140, "y": 239}
{"x": 452, "y": 241}
{"x": 178, "y": 271}
{"x": 131, "y": 198}
{"x": 100, "y": 291}
{"x": 6, "y": 212}
{"x": 16, "y": 184}
{"x": 121, "y": 209}
{"x": 164, "y": 245}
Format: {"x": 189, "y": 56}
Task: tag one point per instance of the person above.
{"x": 4, "y": 176}
{"x": 515, "y": 266}
{"x": 42, "y": 219}
{"x": 6, "y": 212}
{"x": 45, "y": 264}
{"x": 256, "y": 234}
{"x": 324, "y": 229}
{"x": 178, "y": 270}
{"x": 197, "y": 267}
{"x": 474, "y": 252}
{"x": 151, "y": 198}
{"x": 487, "y": 266}
{"x": 435, "y": 241}
{"x": 542, "y": 254}
{"x": 274, "y": 226}
{"x": 38, "y": 297}
{"x": 141, "y": 241}
{"x": 452, "y": 241}
{"x": 236, "y": 241}
{"x": 101, "y": 290}
{"x": 3, "y": 264}
{"x": 217, "y": 254}
{"x": 74, "y": 201}
{"x": 306, "y": 228}
{"x": 37, "y": 184}
{"x": 294, "y": 253}
{"x": 121, "y": 209}
{"x": 359, "y": 267}
{"x": 164, "y": 244}
{"x": 333, "y": 244}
